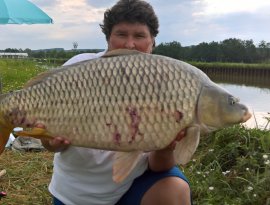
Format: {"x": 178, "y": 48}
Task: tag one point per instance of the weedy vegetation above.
{"x": 230, "y": 167}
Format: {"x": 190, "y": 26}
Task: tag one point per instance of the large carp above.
{"x": 125, "y": 101}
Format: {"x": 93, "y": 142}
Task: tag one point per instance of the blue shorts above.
{"x": 140, "y": 186}
{"x": 144, "y": 182}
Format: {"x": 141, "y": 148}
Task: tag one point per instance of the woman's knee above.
{"x": 169, "y": 191}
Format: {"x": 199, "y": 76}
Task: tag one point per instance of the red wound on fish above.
{"x": 18, "y": 118}
{"x": 117, "y": 138}
{"x": 135, "y": 121}
{"x": 178, "y": 116}
{"x": 180, "y": 135}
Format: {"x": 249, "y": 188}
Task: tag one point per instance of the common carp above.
{"x": 126, "y": 101}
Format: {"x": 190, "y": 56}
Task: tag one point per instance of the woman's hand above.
{"x": 57, "y": 144}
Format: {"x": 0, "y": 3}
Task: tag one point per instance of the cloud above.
{"x": 75, "y": 12}
{"x": 100, "y": 3}
{"x": 73, "y": 21}
{"x": 222, "y": 7}
{"x": 189, "y": 22}
{"x": 193, "y": 22}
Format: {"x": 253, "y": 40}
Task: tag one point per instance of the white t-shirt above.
{"x": 83, "y": 176}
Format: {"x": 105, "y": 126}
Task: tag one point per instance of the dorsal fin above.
{"x": 120, "y": 52}
{"x": 42, "y": 76}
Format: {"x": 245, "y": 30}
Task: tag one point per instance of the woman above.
{"x": 84, "y": 176}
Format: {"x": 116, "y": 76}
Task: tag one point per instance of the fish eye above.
{"x": 232, "y": 100}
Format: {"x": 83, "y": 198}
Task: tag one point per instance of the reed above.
{"x": 222, "y": 65}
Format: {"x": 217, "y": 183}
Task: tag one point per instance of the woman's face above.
{"x": 133, "y": 36}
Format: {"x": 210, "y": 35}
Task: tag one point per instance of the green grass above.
{"x": 14, "y": 73}
{"x": 231, "y": 166}
{"x": 27, "y": 178}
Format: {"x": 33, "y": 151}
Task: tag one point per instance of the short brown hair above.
{"x": 131, "y": 11}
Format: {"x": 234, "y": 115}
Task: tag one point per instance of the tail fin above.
{"x": 5, "y": 130}
{"x": 4, "y": 134}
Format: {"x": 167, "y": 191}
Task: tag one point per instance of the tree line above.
{"x": 228, "y": 50}
{"x": 55, "y": 54}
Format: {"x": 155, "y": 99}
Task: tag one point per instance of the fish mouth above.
{"x": 246, "y": 117}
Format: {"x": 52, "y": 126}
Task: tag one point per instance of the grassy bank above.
{"x": 231, "y": 166}
{"x": 14, "y": 73}
{"x": 27, "y": 178}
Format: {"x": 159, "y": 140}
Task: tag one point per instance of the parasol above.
{"x": 22, "y": 12}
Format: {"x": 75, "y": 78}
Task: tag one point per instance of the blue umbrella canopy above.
{"x": 22, "y": 12}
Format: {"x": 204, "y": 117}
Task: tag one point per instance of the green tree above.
{"x": 172, "y": 49}
{"x": 264, "y": 50}
{"x": 233, "y": 50}
{"x": 208, "y": 52}
{"x": 251, "y": 52}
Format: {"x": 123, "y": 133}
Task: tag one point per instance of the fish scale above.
{"x": 122, "y": 98}
{"x": 125, "y": 101}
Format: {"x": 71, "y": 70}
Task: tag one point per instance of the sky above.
{"x": 189, "y": 22}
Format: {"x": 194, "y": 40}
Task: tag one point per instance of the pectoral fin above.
{"x": 39, "y": 133}
{"x": 186, "y": 147}
{"x": 124, "y": 163}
